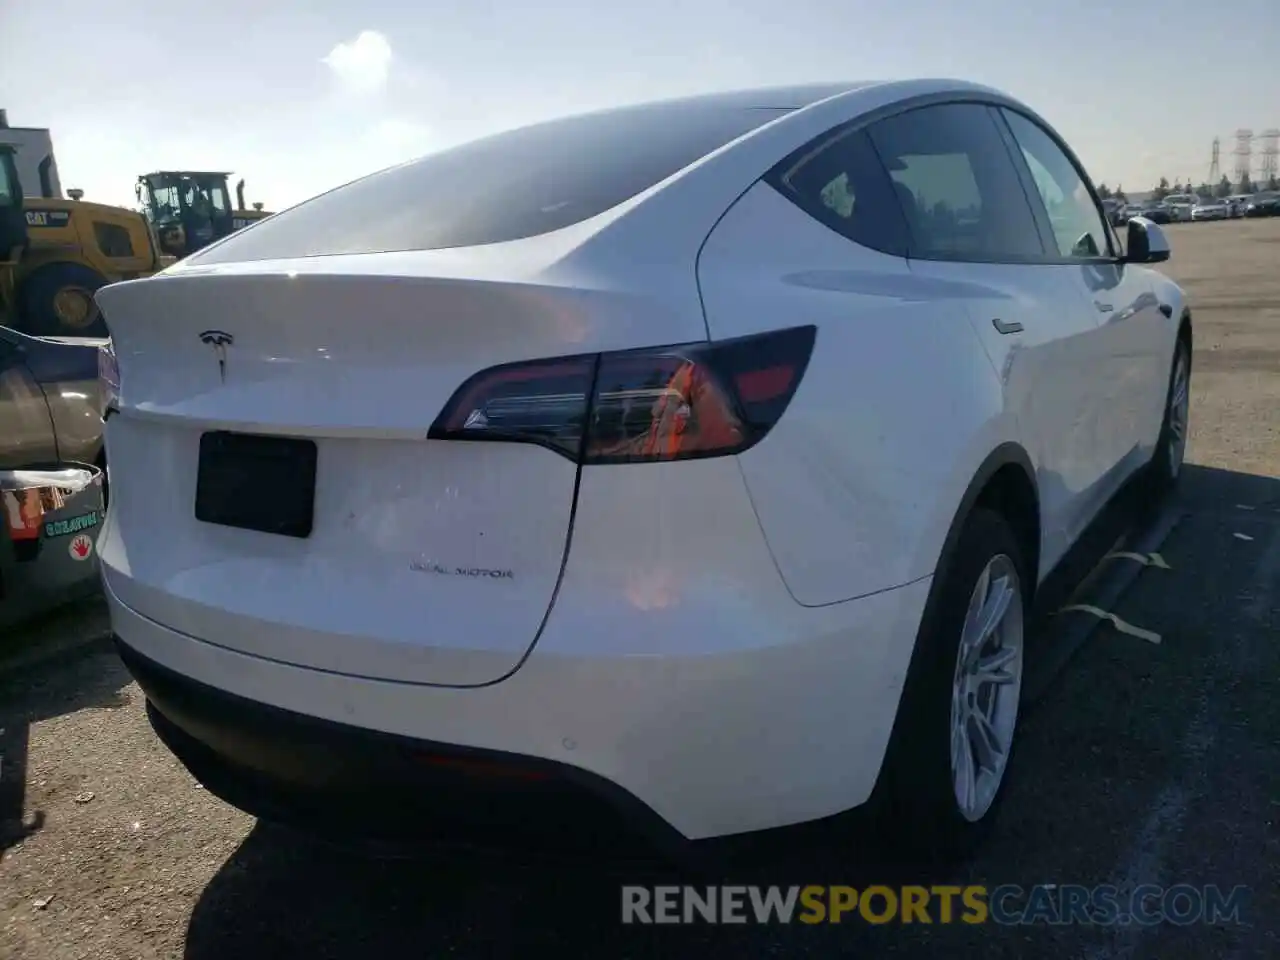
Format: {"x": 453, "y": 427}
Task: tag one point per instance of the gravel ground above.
{"x": 1144, "y": 763}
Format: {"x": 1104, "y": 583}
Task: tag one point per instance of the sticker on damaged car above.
{"x": 65, "y": 528}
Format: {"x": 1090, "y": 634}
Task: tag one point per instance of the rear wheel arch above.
{"x": 1005, "y": 484}
{"x": 1002, "y": 485}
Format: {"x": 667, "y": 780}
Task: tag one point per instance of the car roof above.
{"x": 780, "y": 98}
{"x": 741, "y": 134}
{"x": 787, "y": 97}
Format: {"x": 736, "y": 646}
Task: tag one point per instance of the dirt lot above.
{"x": 1144, "y": 763}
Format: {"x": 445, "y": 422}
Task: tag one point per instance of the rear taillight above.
{"x": 635, "y": 406}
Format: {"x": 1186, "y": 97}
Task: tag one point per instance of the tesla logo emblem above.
{"x": 219, "y": 341}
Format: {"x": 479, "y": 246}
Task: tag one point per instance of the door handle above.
{"x": 1003, "y": 327}
{"x": 1103, "y": 307}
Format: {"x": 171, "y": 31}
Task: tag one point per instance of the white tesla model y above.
{"x": 691, "y": 465}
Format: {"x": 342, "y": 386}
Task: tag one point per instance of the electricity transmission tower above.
{"x": 1244, "y": 155}
{"x": 1270, "y": 155}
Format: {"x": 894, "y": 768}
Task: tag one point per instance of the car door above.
{"x": 26, "y": 439}
{"x": 26, "y": 429}
{"x": 1121, "y": 298}
{"x": 972, "y": 228}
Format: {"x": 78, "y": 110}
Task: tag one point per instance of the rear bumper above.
{"x": 363, "y": 787}
{"x": 670, "y": 748}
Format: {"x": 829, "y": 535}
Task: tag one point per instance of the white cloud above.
{"x": 361, "y": 65}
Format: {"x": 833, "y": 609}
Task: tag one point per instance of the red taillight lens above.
{"x": 667, "y": 403}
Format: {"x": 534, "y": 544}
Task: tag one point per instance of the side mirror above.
{"x": 1145, "y": 243}
{"x": 1086, "y": 246}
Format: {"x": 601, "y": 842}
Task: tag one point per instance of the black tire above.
{"x": 1163, "y": 472}
{"x": 38, "y": 315}
{"x": 916, "y": 797}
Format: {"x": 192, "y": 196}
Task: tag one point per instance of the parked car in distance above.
{"x": 1153, "y": 210}
{"x": 52, "y": 473}
{"x": 725, "y": 507}
{"x": 1211, "y": 210}
{"x": 1265, "y": 204}
{"x": 1180, "y": 206}
{"x": 1115, "y": 210}
{"x": 1236, "y": 203}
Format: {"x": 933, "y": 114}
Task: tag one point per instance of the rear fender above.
{"x": 951, "y": 515}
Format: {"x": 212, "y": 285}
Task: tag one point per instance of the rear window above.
{"x": 516, "y": 184}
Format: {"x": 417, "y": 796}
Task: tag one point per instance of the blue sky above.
{"x": 298, "y": 97}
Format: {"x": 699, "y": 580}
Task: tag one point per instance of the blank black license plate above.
{"x": 257, "y": 483}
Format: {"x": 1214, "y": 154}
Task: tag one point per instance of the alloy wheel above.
{"x": 986, "y": 688}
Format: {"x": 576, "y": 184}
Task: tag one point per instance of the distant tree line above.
{"x": 1106, "y": 193}
{"x": 1223, "y": 188}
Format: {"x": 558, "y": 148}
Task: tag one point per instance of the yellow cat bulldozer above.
{"x": 56, "y": 253}
{"x": 189, "y": 209}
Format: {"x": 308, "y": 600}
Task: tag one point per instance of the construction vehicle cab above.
{"x": 13, "y": 224}
{"x": 188, "y": 209}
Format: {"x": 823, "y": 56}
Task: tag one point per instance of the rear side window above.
{"x": 840, "y": 182}
{"x": 957, "y": 185}
{"x": 516, "y": 184}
